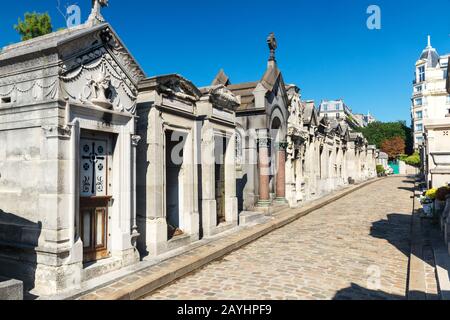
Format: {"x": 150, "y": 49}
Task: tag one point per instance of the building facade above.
{"x": 430, "y": 98}
{"x": 340, "y": 111}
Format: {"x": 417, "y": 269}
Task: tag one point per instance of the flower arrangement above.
{"x": 431, "y": 194}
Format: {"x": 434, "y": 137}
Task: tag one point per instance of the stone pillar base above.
{"x": 209, "y": 215}
{"x": 281, "y": 200}
{"x": 156, "y": 236}
{"x": 264, "y": 203}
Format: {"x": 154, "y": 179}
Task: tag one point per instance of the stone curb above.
{"x": 182, "y": 266}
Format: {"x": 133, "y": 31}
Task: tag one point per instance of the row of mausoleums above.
{"x": 101, "y": 166}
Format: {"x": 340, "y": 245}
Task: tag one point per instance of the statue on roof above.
{"x": 272, "y": 42}
{"x": 96, "y": 15}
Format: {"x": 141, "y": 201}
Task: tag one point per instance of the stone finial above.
{"x": 96, "y": 15}
{"x": 272, "y": 42}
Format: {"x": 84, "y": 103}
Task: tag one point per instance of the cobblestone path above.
{"x": 355, "y": 248}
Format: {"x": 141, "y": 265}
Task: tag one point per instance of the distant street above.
{"x": 355, "y": 248}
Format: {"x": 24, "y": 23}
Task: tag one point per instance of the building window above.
{"x": 325, "y": 107}
{"x": 422, "y": 74}
{"x": 418, "y": 102}
{"x": 419, "y": 139}
{"x": 419, "y": 127}
{"x": 338, "y": 107}
{"x": 419, "y": 115}
{"x": 419, "y": 89}
{"x": 338, "y": 115}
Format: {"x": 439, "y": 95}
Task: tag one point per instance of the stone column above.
{"x": 264, "y": 172}
{"x": 281, "y": 172}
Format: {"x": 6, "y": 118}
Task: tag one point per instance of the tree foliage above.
{"x": 394, "y": 147}
{"x": 378, "y": 132}
{"x": 34, "y": 25}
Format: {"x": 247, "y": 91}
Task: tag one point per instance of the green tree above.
{"x": 378, "y": 132}
{"x": 34, "y": 25}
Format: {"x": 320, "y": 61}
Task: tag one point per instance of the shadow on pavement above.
{"x": 396, "y": 230}
{"x": 356, "y": 292}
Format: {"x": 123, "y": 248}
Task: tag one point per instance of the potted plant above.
{"x": 427, "y": 201}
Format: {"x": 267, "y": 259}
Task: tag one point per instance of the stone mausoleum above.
{"x": 102, "y": 166}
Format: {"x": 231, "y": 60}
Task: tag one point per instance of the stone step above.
{"x": 248, "y": 217}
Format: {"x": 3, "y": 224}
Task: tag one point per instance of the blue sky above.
{"x": 324, "y": 46}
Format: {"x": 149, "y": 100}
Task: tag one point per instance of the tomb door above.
{"x": 94, "y": 198}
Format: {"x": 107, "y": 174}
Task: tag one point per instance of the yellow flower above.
{"x": 431, "y": 193}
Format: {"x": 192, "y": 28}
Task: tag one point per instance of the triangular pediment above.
{"x": 97, "y": 69}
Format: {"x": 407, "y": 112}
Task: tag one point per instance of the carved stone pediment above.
{"x": 224, "y": 98}
{"x": 179, "y": 87}
{"x": 94, "y": 45}
{"x": 101, "y": 83}
{"x": 97, "y": 69}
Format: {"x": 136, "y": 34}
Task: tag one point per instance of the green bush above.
{"x": 380, "y": 169}
{"x": 413, "y": 160}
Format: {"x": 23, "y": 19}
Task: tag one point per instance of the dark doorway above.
{"x": 220, "y": 151}
{"x": 175, "y": 142}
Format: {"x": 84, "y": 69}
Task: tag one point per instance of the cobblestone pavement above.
{"x": 356, "y": 248}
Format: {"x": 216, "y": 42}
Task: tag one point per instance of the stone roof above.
{"x": 53, "y": 40}
{"x": 46, "y": 41}
{"x": 271, "y": 76}
{"x": 221, "y": 78}
{"x": 270, "y": 79}
{"x": 245, "y": 91}
{"x": 383, "y": 155}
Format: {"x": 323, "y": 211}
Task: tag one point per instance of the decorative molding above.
{"x": 135, "y": 139}
{"x": 57, "y": 132}
{"x": 264, "y": 142}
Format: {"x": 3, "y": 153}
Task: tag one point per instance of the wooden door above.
{"x": 94, "y": 198}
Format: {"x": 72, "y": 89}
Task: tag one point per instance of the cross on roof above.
{"x": 272, "y": 42}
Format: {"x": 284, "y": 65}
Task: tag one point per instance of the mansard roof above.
{"x": 430, "y": 55}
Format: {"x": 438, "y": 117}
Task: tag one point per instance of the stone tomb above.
{"x": 187, "y": 187}
{"x": 67, "y": 155}
{"x": 168, "y": 208}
